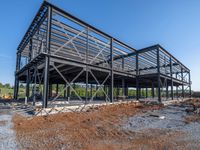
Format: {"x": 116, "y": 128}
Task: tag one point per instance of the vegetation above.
{"x": 6, "y": 90}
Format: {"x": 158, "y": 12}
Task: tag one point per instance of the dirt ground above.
{"x": 101, "y": 128}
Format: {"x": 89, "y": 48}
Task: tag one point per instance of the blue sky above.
{"x": 175, "y": 24}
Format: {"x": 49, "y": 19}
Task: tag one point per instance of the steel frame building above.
{"x": 60, "y": 49}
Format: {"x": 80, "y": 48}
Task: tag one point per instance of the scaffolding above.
{"x": 62, "y": 58}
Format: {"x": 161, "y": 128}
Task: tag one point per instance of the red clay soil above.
{"x": 96, "y": 129}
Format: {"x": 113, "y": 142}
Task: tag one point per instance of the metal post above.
{"x": 171, "y": 73}
{"x": 137, "y": 77}
{"x": 65, "y": 85}
{"x": 153, "y": 95}
{"x": 190, "y": 90}
{"x": 183, "y": 94}
{"x": 111, "y": 68}
{"x": 16, "y": 89}
{"x": 46, "y": 69}
{"x": 27, "y": 84}
{"x": 126, "y": 91}
{"x": 91, "y": 90}
{"x": 87, "y": 47}
{"x": 139, "y": 92}
{"x": 167, "y": 91}
{"x": 123, "y": 87}
{"x": 146, "y": 92}
{"x": 34, "y": 90}
{"x": 68, "y": 92}
{"x": 158, "y": 70}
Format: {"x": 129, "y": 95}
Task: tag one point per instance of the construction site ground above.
{"x": 131, "y": 125}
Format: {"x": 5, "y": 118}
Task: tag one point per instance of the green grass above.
{"x": 10, "y": 91}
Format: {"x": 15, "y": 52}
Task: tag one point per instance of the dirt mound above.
{"x": 99, "y": 127}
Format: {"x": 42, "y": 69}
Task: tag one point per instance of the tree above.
{"x": 7, "y": 85}
{"x": 1, "y": 85}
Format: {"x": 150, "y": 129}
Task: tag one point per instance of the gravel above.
{"x": 7, "y": 135}
{"x": 174, "y": 119}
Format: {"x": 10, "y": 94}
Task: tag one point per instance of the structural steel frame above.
{"x": 61, "y": 49}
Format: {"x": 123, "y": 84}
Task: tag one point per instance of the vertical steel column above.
{"x": 126, "y": 91}
{"x": 65, "y": 85}
{"x": 16, "y": 89}
{"x": 146, "y": 92}
{"x": 171, "y": 73}
{"x": 91, "y": 90}
{"x": 46, "y": 69}
{"x": 68, "y": 92}
{"x": 167, "y": 91}
{"x": 27, "y": 84}
{"x": 87, "y": 46}
{"x": 137, "y": 77}
{"x": 158, "y": 70}
{"x": 35, "y": 80}
{"x": 190, "y": 90}
{"x": 123, "y": 82}
{"x": 153, "y": 95}
{"x": 182, "y": 78}
{"x": 28, "y": 72}
{"x": 123, "y": 87}
{"x": 111, "y": 70}
{"x": 176, "y": 87}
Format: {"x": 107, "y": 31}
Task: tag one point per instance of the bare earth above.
{"x": 123, "y": 126}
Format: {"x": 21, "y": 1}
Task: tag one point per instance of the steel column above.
{"x": 27, "y": 84}
{"x": 34, "y": 90}
{"x": 137, "y": 77}
{"x": 171, "y": 74}
{"x": 111, "y": 68}
{"x": 153, "y": 95}
{"x": 46, "y": 69}
{"x": 146, "y": 92}
{"x": 91, "y": 90}
{"x": 87, "y": 47}
{"x": 68, "y": 92}
{"x": 65, "y": 85}
{"x": 183, "y": 94}
{"x": 16, "y": 89}
{"x": 158, "y": 70}
{"x": 190, "y": 89}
